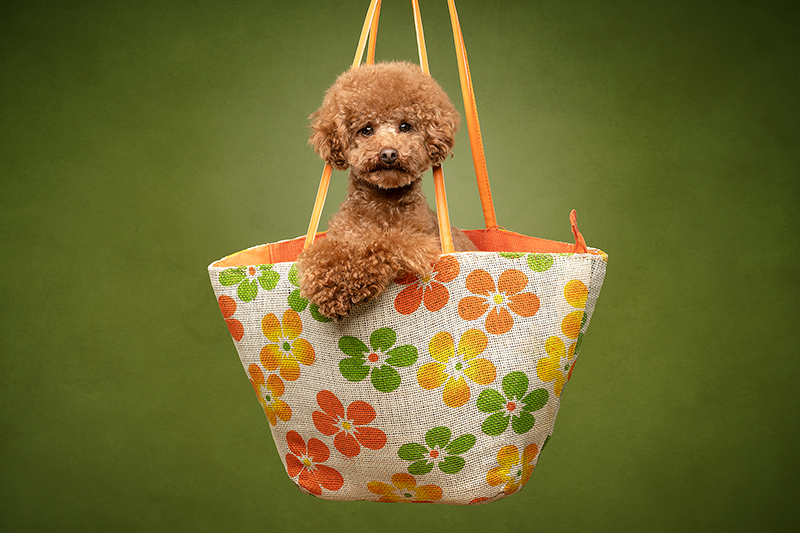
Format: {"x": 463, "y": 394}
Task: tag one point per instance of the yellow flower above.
{"x": 404, "y": 489}
{"x": 560, "y": 360}
{"x": 514, "y": 470}
{"x": 450, "y": 368}
{"x": 269, "y": 391}
{"x": 551, "y": 368}
{"x": 286, "y": 349}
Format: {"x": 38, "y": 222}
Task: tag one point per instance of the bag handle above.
{"x": 370, "y": 29}
{"x": 473, "y": 125}
{"x": 367, "y": 41}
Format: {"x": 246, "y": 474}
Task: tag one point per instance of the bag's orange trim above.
{"x": 580, "y": 243}
{"x": 487, "y": 240}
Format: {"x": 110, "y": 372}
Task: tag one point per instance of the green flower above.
{"x": 298, "y": 303}
{"x": 515, "y": 405}
{"x": 438, "y": 451}
{"x": 248, "y": 279}
{"x": 511, "y": 255}
{"x": 540, "y": 262}
{"x": 377, "y": 362}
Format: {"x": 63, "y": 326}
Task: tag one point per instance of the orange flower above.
{"x": 404, "y": 489}
{"x": 228, "y": 307}
{"x": 350, "y": 428}
{"x": 269, "y": 391}
{"x": 305, "y": 462}
{"x": 498, "y": 299}
{"x": 428, "y": 289}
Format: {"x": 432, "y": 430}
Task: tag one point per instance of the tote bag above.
{"x": 442, "y": 389}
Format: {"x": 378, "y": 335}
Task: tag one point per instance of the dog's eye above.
{"x": 366, "y": 131}
{"x": 405, "y": 127}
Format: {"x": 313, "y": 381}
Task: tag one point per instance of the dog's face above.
{"x": 387, "y": 122}
{"x": 388, "y": 152}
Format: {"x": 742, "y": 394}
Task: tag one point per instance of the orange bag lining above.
{"x": 487, "y": 240}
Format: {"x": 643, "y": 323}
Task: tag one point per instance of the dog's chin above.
{"x": 387, "y": 178}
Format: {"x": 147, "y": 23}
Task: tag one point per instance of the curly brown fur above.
{"x": 388, "y": 123}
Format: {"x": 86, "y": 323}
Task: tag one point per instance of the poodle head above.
{"x": 387, "y": 122}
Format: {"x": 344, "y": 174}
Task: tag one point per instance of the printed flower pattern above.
{"x": 228, "y": 307}
{"x": 286, "y": 350}
{"x": 404, "y": 489}
{"x": 499, "y": 300}
{"x": 248, "y": 279}
{"x": 540, "y": 262}
{"x": 269, "y": 391}
{"x": 304, "y": 462}
{"x": 378, "y": 360}
{"x": 515, "y": 405}
{"x": 394, "y": 435}
{"x": 452, "y": 368}
{"x": 576, "y": 294}
{"x": 298, "y": 303}
{"x": 429, "y": 289}
{"x": 513, "y": 470}
{"x": 438, "y": 450}
{"x": 350, "y": 429}
{"x": 559, "y": 363}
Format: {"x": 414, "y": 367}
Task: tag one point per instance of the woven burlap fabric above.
{"x": 443, "y": 389}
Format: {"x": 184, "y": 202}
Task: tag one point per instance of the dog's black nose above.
{"x": 389, "y": 155}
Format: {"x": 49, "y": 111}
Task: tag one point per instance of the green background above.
{"x": 140, "y": 141}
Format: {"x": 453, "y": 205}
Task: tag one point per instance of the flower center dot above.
{"x": 286, "y": 347}
{"x": 519, "y": 473}
{"x": 434, "y": 454}
{"x": 306, "y": 461}
{"x": 267, "y": 398}
{"x": 458, "y": 366}
{"x": 498, "y": 299}
{"x": 347, "y": 426}
{"x": 426, "y": 279}
{"x": 511, "y": 406}
{"x": 373, "y": 357}
{"x": 252, "y": 271}
{"x": 407, "y": 495}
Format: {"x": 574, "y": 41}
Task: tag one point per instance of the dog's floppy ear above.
{"x": 440, "y": 134}
{"x": 329, "y": 135}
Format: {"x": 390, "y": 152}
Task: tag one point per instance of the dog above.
{"x": 388, "y": 123}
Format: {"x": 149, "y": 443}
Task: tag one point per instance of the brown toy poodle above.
{"x": 388, "y": 123}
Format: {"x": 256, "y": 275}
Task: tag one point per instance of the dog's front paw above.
{"x": 327, "y": 289}
{"x": 337, "y": 277}
{"x": 336, "y": 289}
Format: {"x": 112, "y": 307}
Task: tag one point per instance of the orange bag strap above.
{"x": 367, "y": 41}
{"x": 442, "y": 212}
{"x": 473, "y": 125}
{"x": 369, "y": 29}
